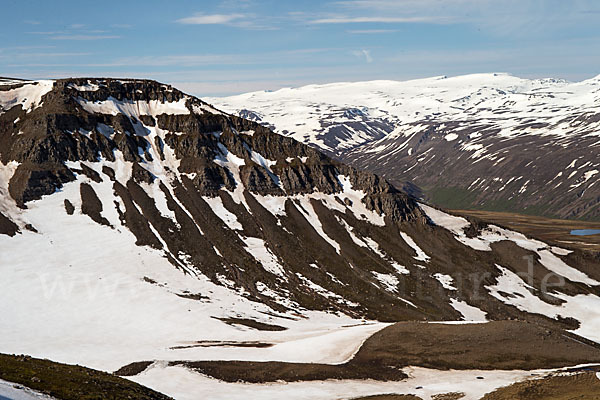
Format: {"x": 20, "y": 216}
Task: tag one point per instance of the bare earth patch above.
{"x": 250, "y": 323}
{"x": 389, "y": 397}
{"x": 505, "y": 345}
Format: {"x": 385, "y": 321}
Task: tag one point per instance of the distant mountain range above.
{"x": 486, "y": 141}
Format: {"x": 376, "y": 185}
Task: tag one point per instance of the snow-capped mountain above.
{"x": 490, "y": 141}
{"x": 141, "y": 225}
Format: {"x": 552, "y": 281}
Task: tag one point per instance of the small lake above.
{"x": 585, "y": 232}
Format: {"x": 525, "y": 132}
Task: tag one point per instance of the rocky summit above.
{"x": 141, "y": 227}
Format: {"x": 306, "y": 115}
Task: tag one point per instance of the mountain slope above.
{"x": 489, "y": 141}
{"x": 141, "y": 224}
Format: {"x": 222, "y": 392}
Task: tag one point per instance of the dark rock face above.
{"x": 210, "y": 179}
{"x": 7, "y": 227}
{"x": 90, "y": 173}
{"x": 131, "y": 90}
{"x": 302, "y": 178}
{"x": 141, "y": 174}
{"x": 91, "y": 204}
{"x": 227, "y": 198}
{"x": 191, "y": 123}
{"x": 31, "y": 182}
{"x": 69, "y": 207}
{"x": 258, "y": 180}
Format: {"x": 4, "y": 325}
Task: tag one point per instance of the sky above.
{"x": 224, "y": 47}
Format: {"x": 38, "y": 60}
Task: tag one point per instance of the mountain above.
{"x": 487, "y": 141}
{"x": 143, "y": 231}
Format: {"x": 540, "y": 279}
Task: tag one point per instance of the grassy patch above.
{"x": 452, "y": 197}
{"x": 70, "y": 382}
{"x": 583, "y": 386}
{"x": 458, "y": 198}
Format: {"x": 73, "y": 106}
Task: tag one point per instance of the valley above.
{"x": 555, "y": 231}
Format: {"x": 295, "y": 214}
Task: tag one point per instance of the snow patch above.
{"x": 133, "y": 108}
{"x": 446, "y": 280}
{"x": 469, "y": 313}
{"x": 358, "y": 207}
{"x": 307, "y": 210}
{"x": 88, "y": 87}
{"x": 324, "y": 292}
{"x": 230, "y": 219}
{"x": 421, "y": 256}
{"x": 257, "y": 247}
{"x": 185, "y": 384}
{"x": 512, "y": 290}
{"x": 389, "y": 281}
{"x": 29, "y": 96}
{"x": 14, "y": 391}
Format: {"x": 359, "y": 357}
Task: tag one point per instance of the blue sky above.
{"x": 232, "y": 46}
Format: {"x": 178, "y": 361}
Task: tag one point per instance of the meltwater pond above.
{"x": 585, "y": 232}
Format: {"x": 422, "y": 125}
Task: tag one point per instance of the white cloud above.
{"x": 517, "y": 18}
{"x": 371, "y": 31}
{"x": 187, "y": 60}
{"x": 83, "y": 37}
{"x": 121, "y": 26}
{"x": 405, "y": 4}
{"x": 243, "y": 21}
{"x": 354, "y": 20}
{"x": 193, "y": 60}
{"x": 210, "y": 19}
{"x": 27, "y": 55}
{"x": 366, "y": 54}
{"x": 46, "y": 32}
